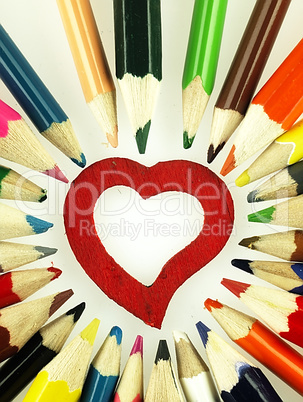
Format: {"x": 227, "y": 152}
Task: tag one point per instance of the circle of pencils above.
{"x": 36, "y": 100}
{"x": 91, "y": 63}
{"x": 280, "y": 310}
{"x": 39, "y": 350}
{"x": 245, "y": 71}
{"x": 104, "y": 370}
{"x": 63, "y": 377}
{"x": 237, "y": 378}
{"x": 201, "y": 63}
{"x": 14, "y": 255}
{"x": 19, "y": 323}
{"x": 138, "y": 46}
{"x": 265, "y": 120}
{"x": 194, "y": 375}
{"x": 285, "y": 150}
{"x": 260, "y": 342}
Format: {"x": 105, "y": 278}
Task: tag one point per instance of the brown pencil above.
{"x": 18, "y": 323}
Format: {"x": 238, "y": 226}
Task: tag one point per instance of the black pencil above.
{"x": 18, "y": 371}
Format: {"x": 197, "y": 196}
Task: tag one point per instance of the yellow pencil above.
{"x": 62, "y": 379}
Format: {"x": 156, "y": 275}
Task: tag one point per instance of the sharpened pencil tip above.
{"x": 80, "y": 162}
{"x": 59, "y": 299}
{"x": 244, "y": 265}
{"x": 117, "y": 332}
{"x": 203, "y": 332}
{"x": 209, "y": 304}
{"x": 138, "y": 346}
{"x": 243, "y": 179}
{"x": 43, "y": 196}
{"x": 89, "y": 333}
{"x": 187, "y": 142}
{"x": 162, "y": 352}
{"x": 56, "y": 174}
{"x": 230, "y": 163}
{"x": 141, "y": 137}
{"x": 253, "y": 196}
{"x": 76, "y": 311}
{"x": 263, "y": 216}
{"x": 38, "y": 225}
{"x": 235, "y": 287}
{"x": 56, "y": 271}
{"x": 212, "y": 153}
{"x": 113, "y": 137}
{"x": 45, "y": 251}
{"x": 249, "y": 242}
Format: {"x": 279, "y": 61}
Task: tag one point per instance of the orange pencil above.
{"x": 91, "y": 63}
{"x": 273, "y": 110}
{"x": 261, "y": 343}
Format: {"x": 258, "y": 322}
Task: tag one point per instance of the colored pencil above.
{"x": 130, "y": 387}
{"x": 63, "y": 377}
{"x": 245, "y": 71}
{"x": 42, "y": 347}
{"x": 17, "y": 286}
{"x": 18, "y": 144}
{"x": 281, "y": 311}
{"x": 286, "y": 213}
{"x": 104, "y": 370}
{"x": 285, "y": 150}
{"x": 286, "y": 245}
{"x": 194, "y": 375}
{"x": 14, "y": 255}
{"x": 285, "y": 275}
{"x": 15, "y": 223}
{"x": 237, "y": 378}
{"x": 286, "y": 183}
{"x": 274, "y": 109}
{"x": 19, "y": 323}
{"x": 36, "y": 100}
{"x": 13, "y": 186}
{"x": 138, "y": 50}
{"x": 259, "y": 341}
{"x": 201, "y": 63}
{"x": 163, "y": 385}
{"x": 91, "y": 63}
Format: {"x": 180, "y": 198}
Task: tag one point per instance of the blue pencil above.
{"x": 36, "y": 100}
{"x": 104, "y": 370}
{"x": 15, "y": 223}
{"x": 238, "y": 380}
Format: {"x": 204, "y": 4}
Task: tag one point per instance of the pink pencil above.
{"x": 19, "y": 144}
{"x": 130, "y": 387}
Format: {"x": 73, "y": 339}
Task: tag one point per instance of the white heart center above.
{"x": 141, "y": 235}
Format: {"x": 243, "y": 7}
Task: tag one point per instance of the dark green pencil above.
{"x": 138, "y": 60}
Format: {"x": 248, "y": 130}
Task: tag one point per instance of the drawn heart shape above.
{"x": 149, "y": 303}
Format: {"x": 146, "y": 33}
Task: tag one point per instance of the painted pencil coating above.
{"x": 36, "y": 100}
{"x": 201, "y": 62}
{"x": 42, "y": 347}
{"x": 138, "y": 50}
{"x": 104, "y": 370}
{"x": 261, "y": 343}
{"x": 91, "y": 63}
{"x": 245, "y": 71}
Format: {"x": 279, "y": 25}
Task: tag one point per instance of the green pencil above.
{"x": 138, "y": 50}
{"x": 201, "y": 63}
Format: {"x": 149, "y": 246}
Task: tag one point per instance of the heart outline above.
{"x": 149, "y": 303}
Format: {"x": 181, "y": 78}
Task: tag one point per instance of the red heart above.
{"x": 149, "y": 303}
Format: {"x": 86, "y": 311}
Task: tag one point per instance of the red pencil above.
{"x": 273, "y": 110}
{"x": 17, "y": 286}
{"x": 280, "y": 310}
{"x": 261, "y": 343}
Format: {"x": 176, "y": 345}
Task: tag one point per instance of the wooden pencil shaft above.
{"x": 25, "y": 85}
{"x": 86, "y": 47}
{"x": 252, "y": 54}
{"x": 138, "y": 38}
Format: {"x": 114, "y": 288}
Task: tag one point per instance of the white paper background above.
{"x": 36, "y": 27}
